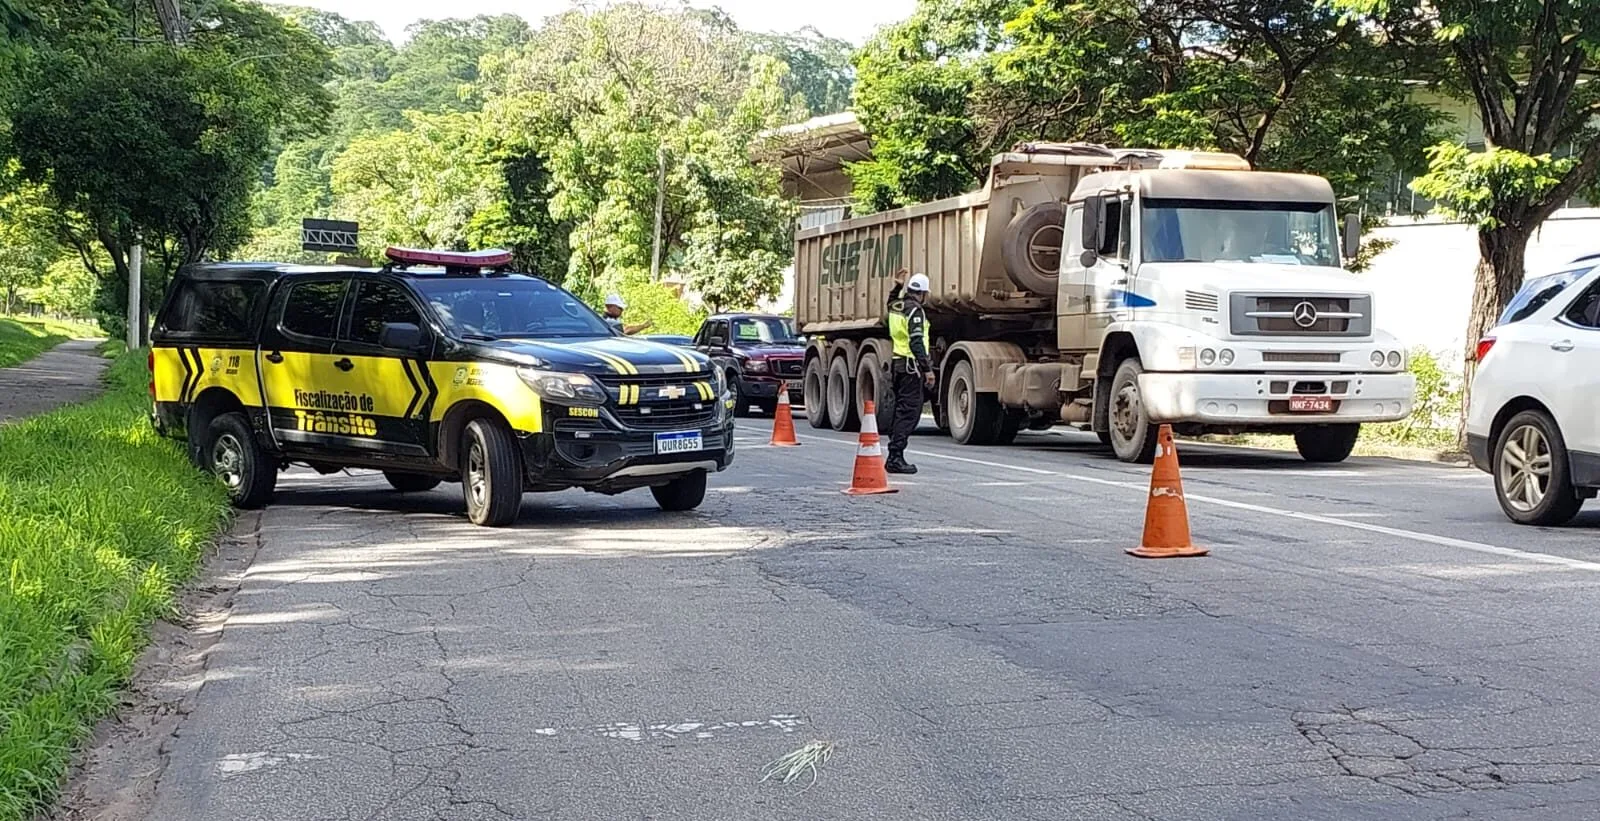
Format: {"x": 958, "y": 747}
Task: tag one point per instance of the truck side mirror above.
{"x": 400, "y": 336}
{"x": 1094, "y": 229}
{"x": 1352, "y": 236}
{"x": 718, "y": 341}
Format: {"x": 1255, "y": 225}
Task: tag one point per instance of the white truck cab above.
{"x": 1213, "y": 298}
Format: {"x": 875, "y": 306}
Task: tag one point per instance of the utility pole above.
{"x": 135, "y": 295}
{"x": 661, "y": 201}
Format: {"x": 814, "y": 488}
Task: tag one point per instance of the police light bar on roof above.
{"x": 488, "y": 258}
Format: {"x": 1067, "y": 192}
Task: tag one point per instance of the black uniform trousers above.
{"x": 907, "y": 405}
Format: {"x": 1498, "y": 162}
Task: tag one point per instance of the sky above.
{"x": 853, "y": 20}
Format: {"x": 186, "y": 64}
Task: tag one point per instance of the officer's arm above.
{"x": 917, "y": 328}
{"x": 894, "y": 295}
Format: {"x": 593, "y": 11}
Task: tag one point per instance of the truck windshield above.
{"x": 762, "y": 330}
{"x": 1287, "y": 233}
{"x": 509, "y": 308}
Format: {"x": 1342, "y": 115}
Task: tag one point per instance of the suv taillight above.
{"x": 150, "y": 363}
{"x": 1484, "y": 345}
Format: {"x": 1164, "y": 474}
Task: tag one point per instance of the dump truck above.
{"x": 1113, "y": 290}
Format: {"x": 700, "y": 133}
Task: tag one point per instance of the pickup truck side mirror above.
{"x": 718, "y": 341}
{"x": 400, "y": 336}
{"x": 1094, "y": 229}
{"x": 1352, "y": 236}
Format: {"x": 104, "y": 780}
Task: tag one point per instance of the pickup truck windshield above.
{"x": 1285, "y": 233}
{"x": 509, "y": 308}
{"x": 763, "y": 330}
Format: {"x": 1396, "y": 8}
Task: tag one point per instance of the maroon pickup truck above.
{"x": 757, "y": 352}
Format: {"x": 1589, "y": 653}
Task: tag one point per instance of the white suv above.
{"x": 1534, "y": 419}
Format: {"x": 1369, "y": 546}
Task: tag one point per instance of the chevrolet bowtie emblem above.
{"x": 673, "y": 392}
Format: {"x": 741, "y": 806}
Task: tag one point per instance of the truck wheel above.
{"x": 975, "y": 418}
{"x": 491, "y": 474}
{"x": 411, "y": 482}
{"x": 841, "y": 397}
{"x": 682, "y": 493}
{"x": 874, "y": 382}
{"x": 1010, "y": 425}
{"x": 233, "y": 455}
{"x": 816, "y": 390}
{"x": 1133, "y": 438}
{"x": 1031, "y": 247}
{"x": 1327, "y": 443}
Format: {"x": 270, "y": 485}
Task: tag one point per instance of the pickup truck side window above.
{"x": 378, "y": 304}
{"x": 311, "y": 309}
{"x": 221, "y": 311}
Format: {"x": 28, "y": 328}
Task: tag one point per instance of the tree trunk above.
{"x": 1502, "y": 254}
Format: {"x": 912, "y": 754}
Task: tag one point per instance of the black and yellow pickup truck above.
{"x": 436, "y": 367}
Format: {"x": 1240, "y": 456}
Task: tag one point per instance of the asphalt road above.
{"x": 1368, "y": 640}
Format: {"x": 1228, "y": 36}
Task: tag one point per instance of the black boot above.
{"x": 897, "y": 464}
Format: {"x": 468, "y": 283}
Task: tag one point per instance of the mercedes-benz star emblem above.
{"x": 1305, "y": 314}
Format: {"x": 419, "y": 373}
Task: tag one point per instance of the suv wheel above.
{"x": 234, "y": 456}
{"x": 411, "y": 482}
{"x": 683, "y": 493}
{"x": 491, "y": 474}
{"x": 1532, "y": 476}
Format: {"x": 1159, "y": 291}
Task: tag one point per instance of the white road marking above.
{"x": 1395, "y": 532}
{"x": 239, "y": 763}
{"x": 627, "y": 731}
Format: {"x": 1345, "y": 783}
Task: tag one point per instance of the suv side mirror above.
{"x": 718, "y": 341}
{"x": 400, "y": 336}
{"x": 1352, "y": 236}
{"x": 1094, "y": 229}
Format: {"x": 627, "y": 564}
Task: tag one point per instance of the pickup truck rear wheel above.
{"x": 975, "y": 418}
{"x": 1327, "y": 443}
{"x": 816, "y": 391}
{"x": 1133, "y": 438}
{"x": 233, "y": 455}
{"x": 683, "y": 493}
{"x": 411, "y": 482}
{"x": 491, "y": 474}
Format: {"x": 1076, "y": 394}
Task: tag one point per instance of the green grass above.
{"x": 100, "y": 521}
{"x": 21, "y": 339}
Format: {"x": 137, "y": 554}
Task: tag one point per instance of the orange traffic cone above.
{"x": 783, "y": 421}
{"x": 1166, "y": 517}
{"x": 870, "y": 477}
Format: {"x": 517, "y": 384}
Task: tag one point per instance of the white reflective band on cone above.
{"x": 870, "y": 450}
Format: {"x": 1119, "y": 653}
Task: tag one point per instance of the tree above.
{"x": 1286, "y": 84}
{"x": 820, "y": 69}
{"x": 1528, "y": 68}
{"x": 27, "y": 235}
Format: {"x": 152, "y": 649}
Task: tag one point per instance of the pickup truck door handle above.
{"x": 345, "y": 364}
{"x": 274, "y": 357}
{"x": 1563, "y": 346}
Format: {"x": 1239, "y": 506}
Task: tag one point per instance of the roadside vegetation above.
{"x": 100, "y": 521}
{"x": 22, "y": 339}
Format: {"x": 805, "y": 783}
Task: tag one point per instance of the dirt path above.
{"x": 68, "y": 373}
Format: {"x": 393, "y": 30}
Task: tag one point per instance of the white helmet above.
{"x": 616, "y": 299}
{"x": 918, "y": 282}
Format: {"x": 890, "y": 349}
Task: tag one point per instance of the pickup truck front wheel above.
{"x": 1133, "y": 438}
{"x": 411, "y": 482}
{"x": 491, "y": 474}
{"x": 233, "y": 455}
{"x": 683, "y": 493}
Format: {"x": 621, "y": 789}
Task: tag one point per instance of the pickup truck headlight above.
{"x": 755, "y": 366}
{"x": 566, "y": 388}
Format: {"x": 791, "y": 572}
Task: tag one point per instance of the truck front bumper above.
{"x": 1249, "y": 399}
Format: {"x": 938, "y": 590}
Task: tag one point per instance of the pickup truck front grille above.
{"x": 680, "y": 415}
{"x": 660, "y": 401}
{"x": 787, "y": 368}
{"x": 1297, "y": 315}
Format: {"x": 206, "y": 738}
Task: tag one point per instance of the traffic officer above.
{"x": 912, "y": 368}
{"x": 614, "y": 308}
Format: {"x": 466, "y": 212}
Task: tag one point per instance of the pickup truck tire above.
{"x": 683, "y": 493}
{"x": 233, "y": 455}
{"x": 841, "y": 397}
{"x": 816, "y": 390}
{"x": 1133, "y": 438}
{"x": 1031, "y": 247}
{"x": 411, "y": 482}
{"x": 975, "y": 418}
{"x": 1327, "y": 443}
{"x": 491, "y": 474}
{"x": 873, "y": 381}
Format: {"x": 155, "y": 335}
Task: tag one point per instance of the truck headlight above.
{"x": 1377, "y": 359}
{"x": 1396, "y": 359}
{"x": 1226, "y": 357}
{"x": 755, "y": 365}
{"x": 1208, "y": 357}
{"x": 567, "y": 388}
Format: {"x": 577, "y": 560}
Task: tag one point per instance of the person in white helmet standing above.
{"x": 614, "y": 308}
{"x": 912, "y": 367}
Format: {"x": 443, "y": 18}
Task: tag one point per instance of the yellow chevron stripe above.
{"x": 617, "y": 363}
{"x": 630, "y": 394}
{"x": 689, "y": 365}
{"x": 705, "y": 390}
